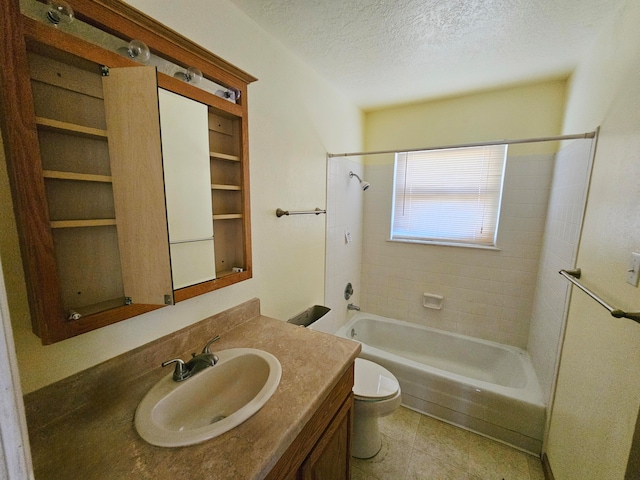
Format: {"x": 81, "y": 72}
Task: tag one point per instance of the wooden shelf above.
{"x": 70, "y": 128}
{"x": 225, "y": 273}
{"x": 101, "y": 306}
{"x": 224, "y": 156}
{"x": 83, "y": 177}
{"x": 105, "y": 222}
{"x": 227, "y": 216}
{"x": 217, "y": 186}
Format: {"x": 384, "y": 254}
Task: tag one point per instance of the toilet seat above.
{"x": 373, "y": 382}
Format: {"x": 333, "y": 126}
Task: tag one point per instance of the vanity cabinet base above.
{"x": 322, "y": 450}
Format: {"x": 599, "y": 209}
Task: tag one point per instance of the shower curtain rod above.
{"x": 577, "y": 136}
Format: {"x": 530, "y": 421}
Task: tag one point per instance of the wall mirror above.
{"x": 130, "y": 183}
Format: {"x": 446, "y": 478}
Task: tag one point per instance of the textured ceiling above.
{"x": 385, "y": 52}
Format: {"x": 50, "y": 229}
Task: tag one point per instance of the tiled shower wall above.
{"x": 560, "y": 247}
{"x": 487, "y": 294}
{"x": 343, "y": 258}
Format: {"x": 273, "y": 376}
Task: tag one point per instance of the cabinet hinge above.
{"x": 104, "y": 70}
{"x": 168, "y": 300}
{"x": 128, "y": 301}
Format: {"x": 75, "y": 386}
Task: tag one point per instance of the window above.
{"x": 449, "y": 196}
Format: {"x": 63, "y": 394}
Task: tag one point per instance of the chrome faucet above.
{"x": 351, "y": 306}
{"x": 197, "y": 363}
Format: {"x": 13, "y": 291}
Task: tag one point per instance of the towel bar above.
{"x": 317, "y": 211}
{"x": 573, "y": 275}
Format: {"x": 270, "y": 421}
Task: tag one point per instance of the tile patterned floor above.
{"x": 418, "y": 447}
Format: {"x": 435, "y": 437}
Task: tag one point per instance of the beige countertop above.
{"x": 82, "y": 427}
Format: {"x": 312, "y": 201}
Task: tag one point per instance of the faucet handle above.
{"x": 181, "y": 372}
{"x": 206, "y": 348}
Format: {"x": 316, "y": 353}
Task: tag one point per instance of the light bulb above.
{"x": 232, "y": 94}
{"x": 136, "y": 50}
{"x": 59, "y": 12}
{"x": 191, "y": 75}
{"x": 139, "y": 51}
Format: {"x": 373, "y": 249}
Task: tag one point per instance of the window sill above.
{"x": 445, "y": 244}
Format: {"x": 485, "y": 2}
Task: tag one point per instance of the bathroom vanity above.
{"x": 83, "y": 426}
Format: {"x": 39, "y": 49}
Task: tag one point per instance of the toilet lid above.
{"x": 373, "y": 381}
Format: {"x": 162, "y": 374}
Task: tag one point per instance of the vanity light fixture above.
{"x": 190, "y": 75}
{"x": 59, "y": 12}
{"x": 136, "y": 50}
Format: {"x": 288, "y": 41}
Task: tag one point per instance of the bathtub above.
{"x": 486, "y": 387}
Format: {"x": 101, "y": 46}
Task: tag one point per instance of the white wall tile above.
{"x": 342, "y": 260}
{"x": 487, "y": 293}
{"x": 566, "y": 206}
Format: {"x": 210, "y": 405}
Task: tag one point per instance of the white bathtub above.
{"x": 484, "y": 386}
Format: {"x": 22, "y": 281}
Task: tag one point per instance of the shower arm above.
{"x": 351, "y": 174}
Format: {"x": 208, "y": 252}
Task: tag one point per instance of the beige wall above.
{"x": 598, "y": 392}
{"x": 519, "y": 112}
{"x": 295, "y": 118}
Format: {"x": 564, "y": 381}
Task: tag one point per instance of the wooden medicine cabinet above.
{"x": 130, "y": 186}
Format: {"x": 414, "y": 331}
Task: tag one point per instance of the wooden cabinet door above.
{"x": 133, "y": 126}
{"x": 331, "y": 457}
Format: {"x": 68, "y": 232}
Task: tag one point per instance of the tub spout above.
{"x": 351, "y": 306}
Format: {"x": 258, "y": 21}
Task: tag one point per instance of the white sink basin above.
{"x": 212, "y": 402}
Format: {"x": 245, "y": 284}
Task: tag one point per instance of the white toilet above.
{"x": 376, "y": 394}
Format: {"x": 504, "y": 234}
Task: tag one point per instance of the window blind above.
{"x": 450, "y": 195}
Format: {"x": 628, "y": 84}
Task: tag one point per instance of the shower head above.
{"x": 363, "y": 185}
